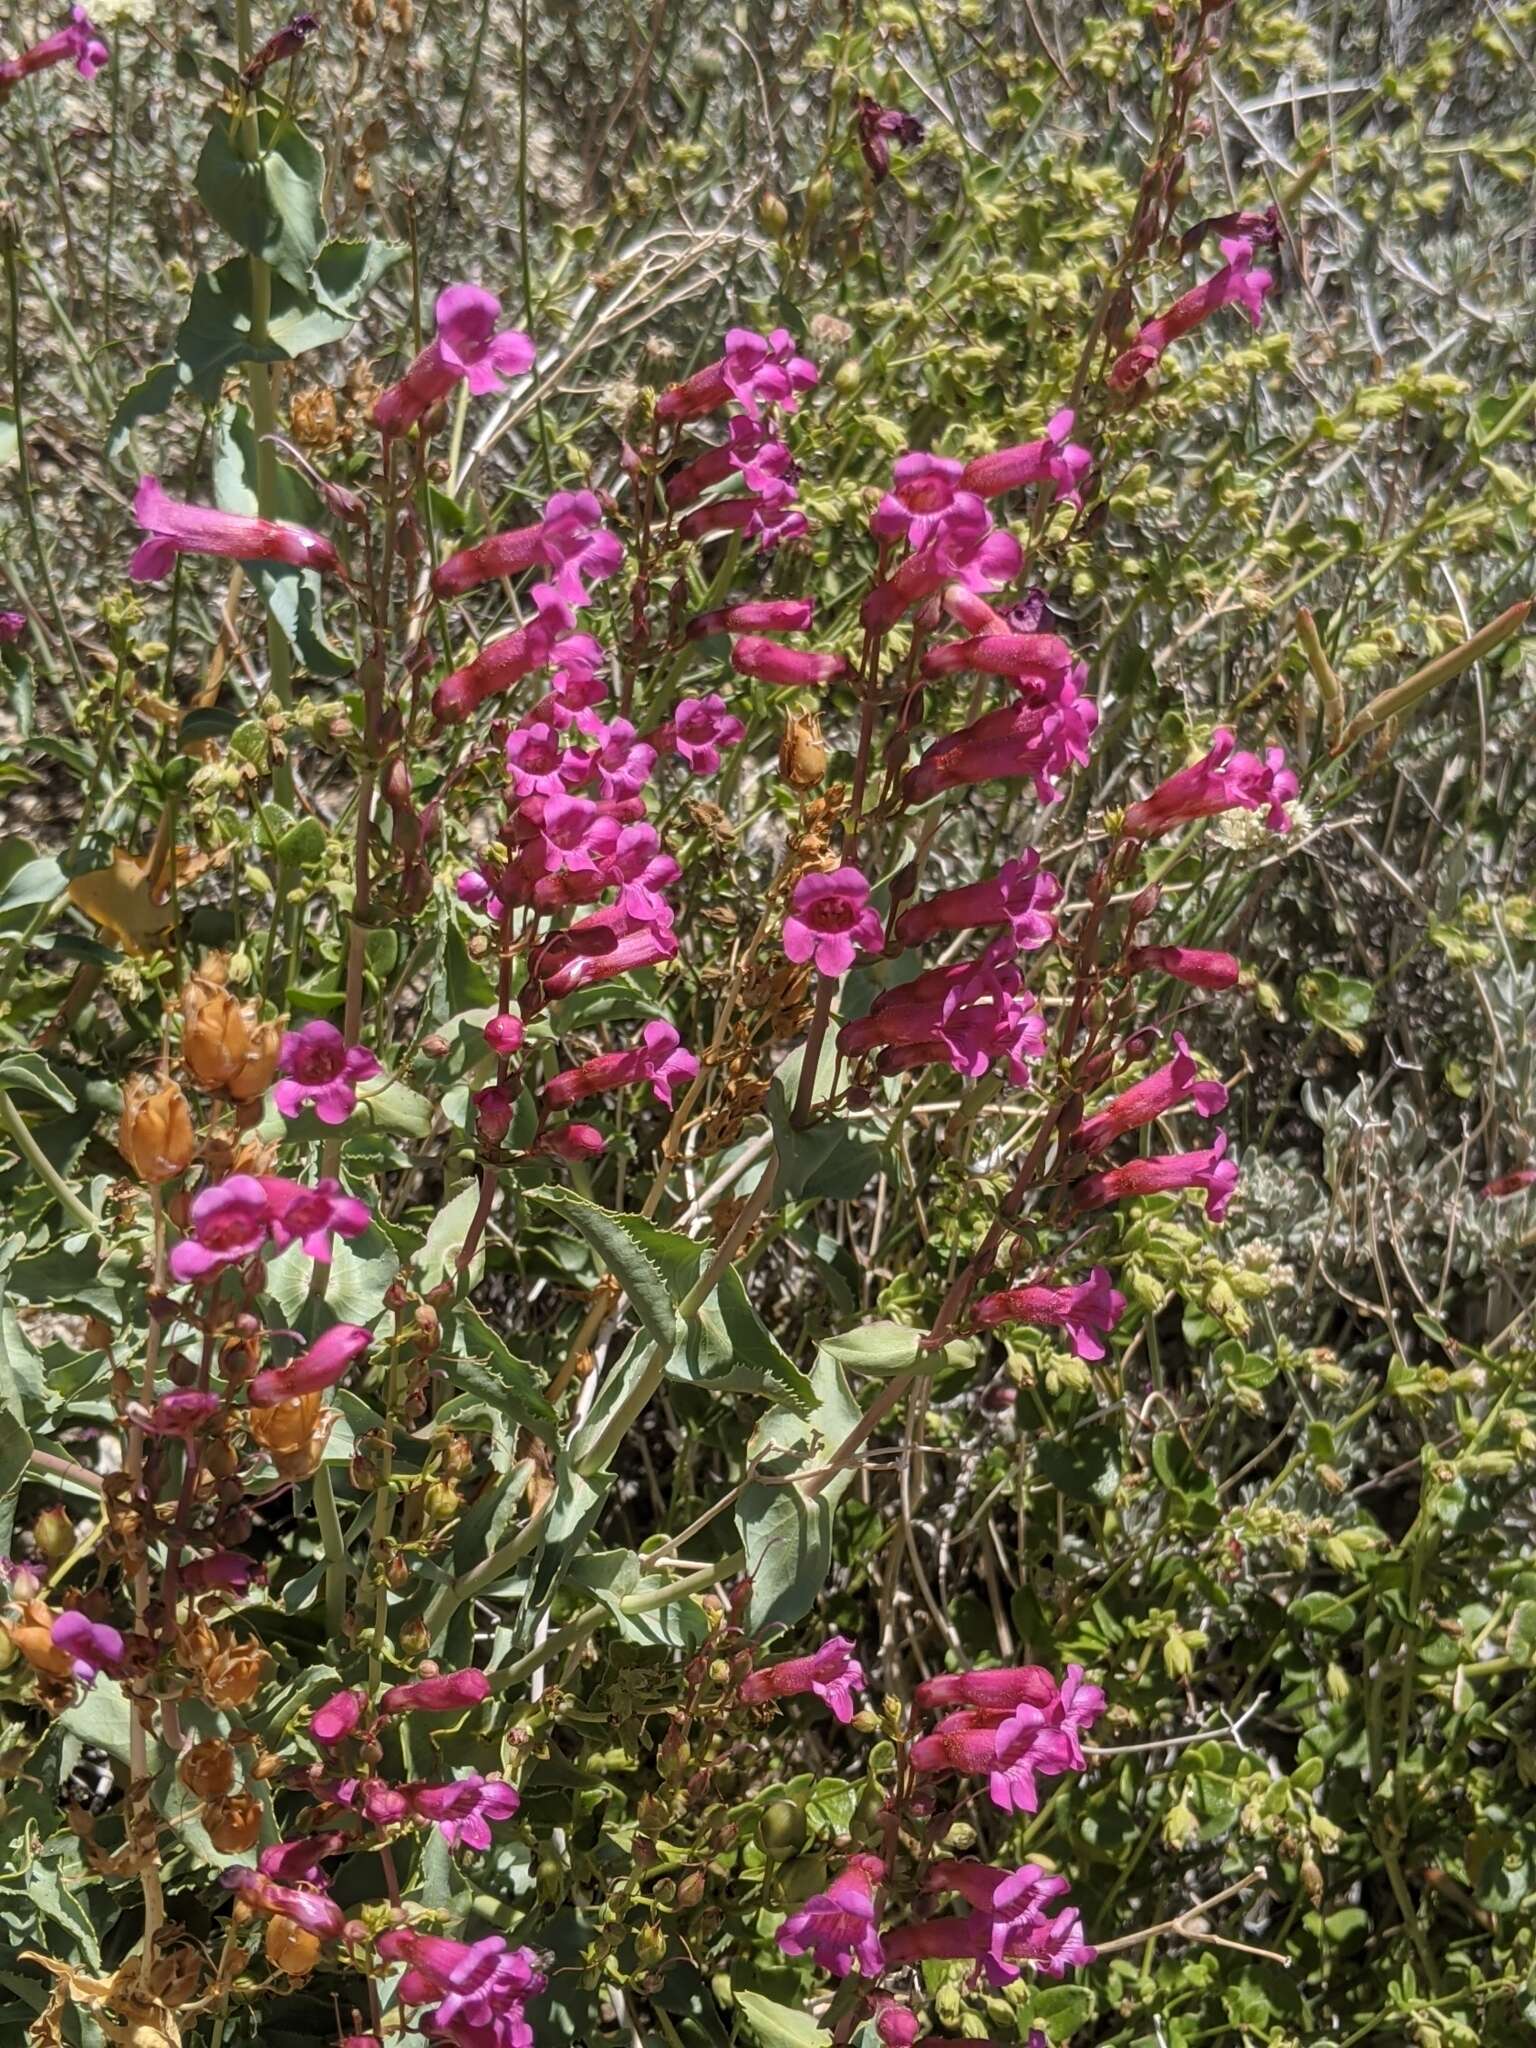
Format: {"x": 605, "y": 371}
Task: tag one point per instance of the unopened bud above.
{"x": 54, "y": 1534}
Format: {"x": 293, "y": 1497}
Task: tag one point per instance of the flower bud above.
{"x": 772, "y": 214}
{"x": 233, "y": 1824}
{"x": 155, "y": 1132}
{"x": 802, "y": 751}
{"x": 208, "y": 1769}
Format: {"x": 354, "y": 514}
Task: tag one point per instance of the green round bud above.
{"x": 782, "y": 1829}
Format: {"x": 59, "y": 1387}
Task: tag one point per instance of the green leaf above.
{"x": 786, "y": 1533}
{"x": 614, "y": 1574}
{"x": 215, "y": 335}
{"x": 1085, "y": 1467}
{"x": 273, "y": 207}
{"x": 294, "y": 597}
{"x": 33, "y": 882}
{"x": 877, "y": 1348}
{"x": 153, "y": 393}
{"x": 779, "y": 2026}
{"x": 827, "y": 1161}
{"x": 101, "y": 1717}
{"x": 486, "y": 1368}
{"x": 619, "y": 1242}
{"x": 30, "y": 1074}
{"x": 438, "y": 1258}
{"x": 1337, "y": 1003}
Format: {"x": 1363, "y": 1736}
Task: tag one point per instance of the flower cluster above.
{"x": 1237, "y": 283}
{"x": 759, "y": 374}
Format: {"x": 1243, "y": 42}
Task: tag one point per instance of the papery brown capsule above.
{"x": 291, "y": 1948}
{"x": 208, "y": 1769}
{"x": 154, "y": 1133}
{"x": 233, "y": 1825}
{"x": 802, "y": 751}
{"x": 258, "y": 1069}
{"x": 215, "y": 1034}
{"x": 233, "y": 1675}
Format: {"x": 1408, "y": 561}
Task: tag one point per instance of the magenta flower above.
{"x": 174, "y": 528}
{"x": 622, "y": 762}
{"x": 755, "y": 370}
{"x": 467, "y": 346}
{"x": 228, "y": 1222}
{"x": 312, "y": 1216}
{"x": 839, "y": 1927}
{"x": 969, "y": 1015}
{"x": 1032, "y": 660}
{"x": 445, "y": 1693}
{"x": 895, "y": 2025}
{"x": 755, "y": 615}
{"x": 1055, "y": 459}
{"x": 571, "y": 960}
{"x": 79, "y": 42}
{"x": 658, "y": 1059}
{"x": 12, "y": 627}
{"x": 225, "y": 1571}
{"x": 994, "y": 1691}
{"x": 833, "y": 1673}
{"x": 787, "y": 668}
{"x": 698, "y": 729}
{"x": 1042, "y": 738}
{"x": 1009, "y": 1907}
{"x": 464, "y": 1811}
{"x": 831, "y": 921}
{"x": 1020, "y": 895}
{"x": 1087, "y": 1312}
{"x": 1187, "y": 964}
{"x": 1075, "y": 1709}
{"x": 337, "y": 1717}
{"x": 326, "y": 1361}
{"x": 321, "y": 1072}
{"x": 1222, "y": 781}
{"x": 1165, "y": 1173}
{"x": 91, "y": 1646}
{"x": 966, "y": 547}
{"x": 576, "y": 1144}
{"x": 182, "y": 1412}
{"x": 298, "y": 1861}
{"x": 516, "y": 654}
{"x": 751, "y": 452}
{"x": 570, "y": 540}
{"x": 310, "y": 1910}
{"x": 476, "y": 1992}
{"x": 1237, "y": 283}
{"x": 1178, "y": 1081}
{"x": 923, "y": 490}
{"x": 1012, "y": 1751}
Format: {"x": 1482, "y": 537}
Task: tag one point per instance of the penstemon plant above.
{"x": 459, "y": 1150}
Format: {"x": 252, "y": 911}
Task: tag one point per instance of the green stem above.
{"x": 44, "y": 1168}
{"x": 335, "y": 1547}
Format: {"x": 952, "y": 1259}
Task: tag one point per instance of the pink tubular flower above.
{"x": 1042, "y": 739}
{"x": 763, "y": 463}
{"x": 91, "y": 1646}
{"x": 476, "y": 1991}
{"x": 786, "y": 668}
{"x": 174, "y": 528}
{"x": 658, "y": 1058}
{"x": 1056, "y": 459}
{"x": 321, "y": 1072}
{"x": 756, "y": 615}
{"x": 833, "y": 1673}
{"x": 226, "y": 1571}
{"x": 337, "y": 1717}
{"x": 878, "y": 127}
{"x": 1508, "y": 1184}
{"x": 12, "y": 627}
{"x": 698, "y": 729}
{"x": 831, "y": 921}
{"x": 922, "y": 490}
{"x": 1177, "y": 1082}
{"x": 229, "y": 1222}
{"x": 1013, "y": 1751}
{"x": 1009, "y": 1908}
{"x": 1222, "y": 781}
{"x": 576, "y": 1144}
{"x": 327, "y": 1360}
{"x": 994, "y": 1691}
{"x": 838, "y": 1927}
{"x": 1087, "y": 1312}
{"x": 570, "y": 540}
{"x": 468, "y": 346}
{"x": 1020, "y": 895}
{"x": 79, "y": 42}
{"x": 183, "y": 1412}
{"x": 1187, "y": 964}
{"x": 1237, "y": 283}
{"x": 1032, "y": 660}
{"x": 1075, "y": 1709}
{"x": 968, "y": 1014}
{"x": 569, "y": 961}
{"x": 312, "y": 1216}
{"x": 1165, "y": 1173}
{"x": 299, "y": 1861}
{"x": 966, "y": 548}
{"x": 446, "y": 1693}
{"x": 310, "y": 1910}
{"x": 462, "y": 1812}
{"x": 755, "y": 370}
{"x": 622, "y": 762}
{"x": 507, "y": 660}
